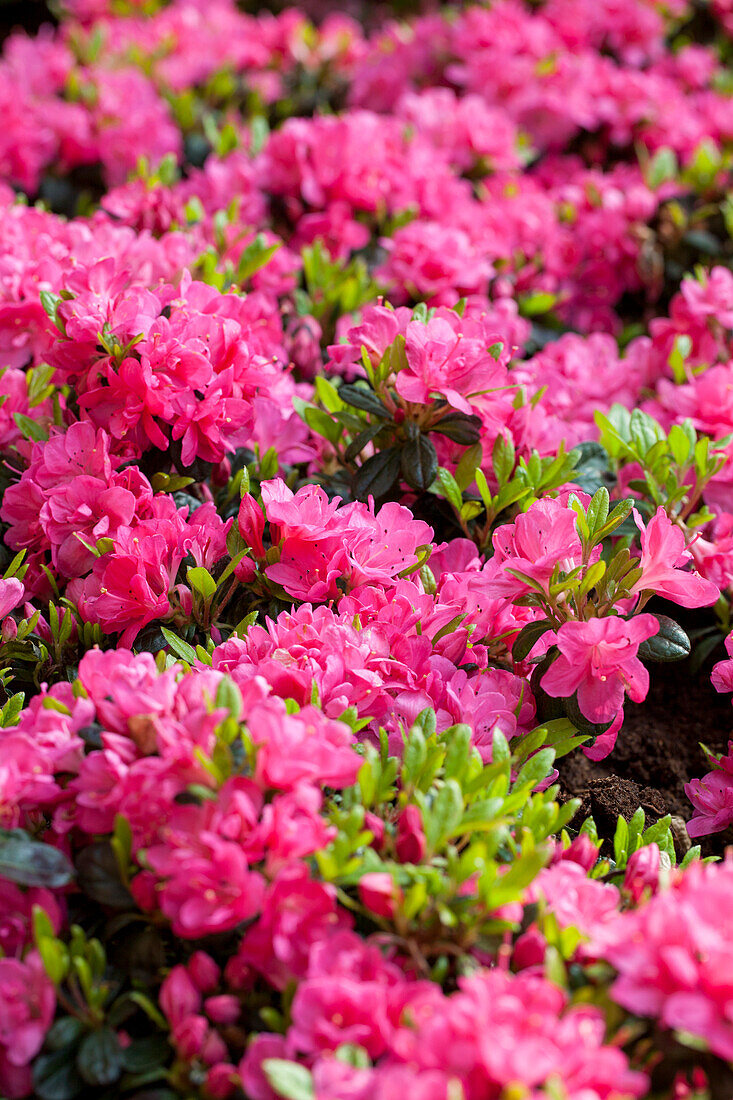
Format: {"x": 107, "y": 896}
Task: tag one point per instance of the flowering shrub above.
{"x": 367, "y": 439}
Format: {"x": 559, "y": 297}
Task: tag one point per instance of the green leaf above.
{"x": 657, "y": 832}
{"x": 29, "y": 428}
{"x": 616, "y": 518}
{"x": 460, "y": 427}
{"x": 446, "y": 486}
{"x": 538, "y": 302}
{"x": 378, "y": 474}
{"x": 289, "y": 1079}
{"x": 645, "y": 431}
{"x": 360, "y": 398}
{"x": 679, "y": 445}
{"x": 146, "y": 1054}
{"x": 579, "y": 720}
{"x": 29, "y": 862}
{"x": 254, "y": 256}
{"x": 458, "y": 739}
{"x": 229, "y": 697}
{"x": 414, "y": 757}
{"x": 201, "y": 581}
{"x": 445, "y": 814}
{"x": 465, "y": 471}
{"x": 593, "y": 576}
{"x": 55, "y": 1076}
{"x": 360, "y": 441}
{"x": 537, "y": 768}
{"x": 99, "y": 1059}
{"x": 51, "y": 303}
{"x": 598, "y": 510}
{"x": 353, "y": 1055}
{"x": 528, "y": 637}
{"x": 98, "y": 876}
{"x": 669, "y": 644}
{"x": 180, "y": 648}
{"x": 419, "y": 463}
{"x": 503, "y": 459}
{"x": 592, "y": 468}
{"x": 322, "y": 423}
{"x": 621, "y": 840}
{"x": 662, "y": 168}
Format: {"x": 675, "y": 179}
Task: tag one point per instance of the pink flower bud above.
{"x": 224, "y": 1009}
{"x": 221, "y": 473}
{"x": 9, "y": 629}
{"x": 214, "y": 1049}
{"x": 582, "y": 851}
{"x": 179, "y": 997}
{"x": 529, "y": 950}
{"x": 190, "y": 1035}
{"x": 11, "y": 594}
{"x": 203, "y": 972}
{"x": 221, "y": 1080}
{"x": 379, "y": 892}
{"x": 144, "y": 892}
{"x": 252, "y": 524}
{"x": 642, "y": 871}
{"x": 185, "y": 598}
{"x": 238, "y": 974}
{"x": 375, "y": 825}
{"x": 410, "y": 845}
{"x": 245, "y": 571}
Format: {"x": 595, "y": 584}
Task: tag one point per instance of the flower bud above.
{"x": 375, "y": 825}
{"x": 410, "y": 845}
{"x": 642, "y": 871}
{"x": 224, "y": 1009}
{"x": 379, "y": 892}
{"x": 221, "y": 1081}
{"x": 203, "y": 971}
{"x": 582, "y": 851}
{"x": 252, "y": 524}
{"x": 245, "y": 571}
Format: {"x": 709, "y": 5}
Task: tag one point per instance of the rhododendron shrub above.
{"x": 366, "y": 443}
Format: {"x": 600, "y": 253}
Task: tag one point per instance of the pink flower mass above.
{"x": 366, "y": 550}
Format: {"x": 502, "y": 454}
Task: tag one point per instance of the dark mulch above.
{"x": 657, "y": 752}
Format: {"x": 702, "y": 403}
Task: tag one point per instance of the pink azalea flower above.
{"x": 673, "y": 955}
{"x": 543, "y": 537}
{"x": 663, "y": 556}
{"x": 598, "y": 660}
{"x": 712, "y": 799}
{"x": 12, "y": 592}
{"x": 27, "y": 1005}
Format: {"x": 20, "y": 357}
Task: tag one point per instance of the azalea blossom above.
{"x": 598, "y": 660}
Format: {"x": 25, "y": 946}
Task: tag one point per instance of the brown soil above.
{"x": 657, "y": 752}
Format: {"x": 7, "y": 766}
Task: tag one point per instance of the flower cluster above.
{"x": 366, "y": 427}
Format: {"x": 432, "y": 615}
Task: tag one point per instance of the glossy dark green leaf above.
{"x": 29, "y": 862}
{"x": 360, "y": 398}
{"x": 378, "y": 474}
{"x": 669, "y": 644}
{"x": 460, "y": 427}
{"x": 592, "y": 470}
{"x": 55, "y": 1076}
{"x": 64, "y": 1033}
{"x": 579, "y": 720}
{"x": 99, "y": 876}
{"x": 99, "y": 1058}
{"x": 527, "y": 638}
{"x": 419, "y": 463}
{"x": 360, "y": 441}
{"x": 146, "y": 1054}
